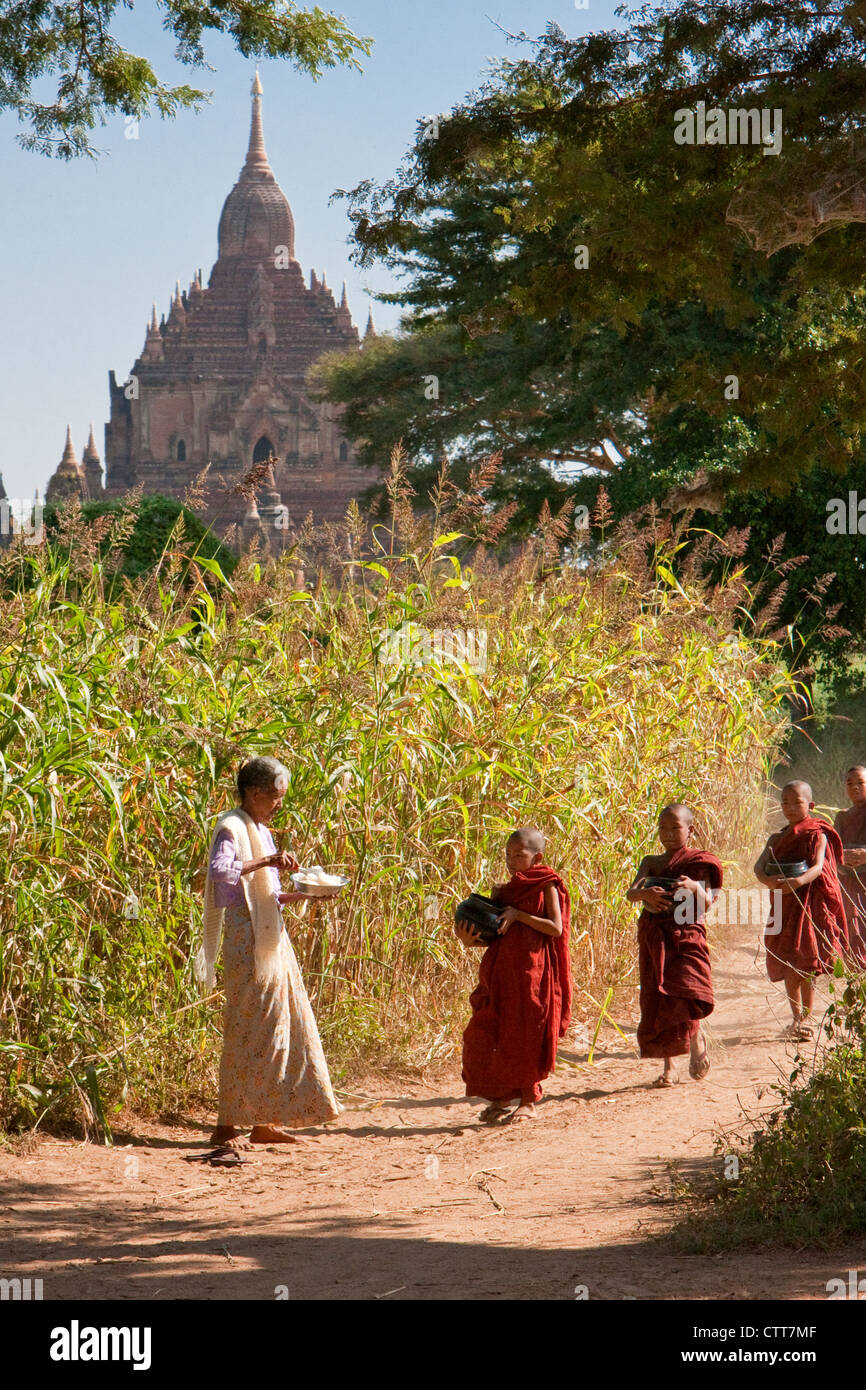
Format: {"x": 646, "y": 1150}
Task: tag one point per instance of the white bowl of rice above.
{"x": 316, "y": 883}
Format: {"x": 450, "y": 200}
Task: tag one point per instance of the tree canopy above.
{"x": 582, "y": 287}
{"x": 96, "y": 77}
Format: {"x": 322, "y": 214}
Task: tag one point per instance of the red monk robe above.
{"x": 851, "y": 826}
{"x": 676, "y": 986}
{"x": 522, "y": 1005}
{"x": 813, "y": 930}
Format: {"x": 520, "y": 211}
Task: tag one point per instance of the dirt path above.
{"x": 408, "y": 1198}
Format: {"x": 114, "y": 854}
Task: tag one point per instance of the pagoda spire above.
{"x": 67, "y": 480}
{"x": 69, "y": 457}
{"x": 92, "y": 468}
{"x": 257, "y": 157}
{"x": 177, "y": 312}
{"x": 90, "y": 450}
{"x": 153, "y": 348}
{"x": 370, "y": 331}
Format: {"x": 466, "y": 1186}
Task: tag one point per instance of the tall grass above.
{"x": 126, "y": 710}
{"x": 821, "y": 751}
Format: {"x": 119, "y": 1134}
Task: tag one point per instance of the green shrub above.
{"x": 803, "y": 1180}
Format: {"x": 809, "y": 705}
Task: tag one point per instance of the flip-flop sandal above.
{"x": 517, "y": 1119}
{"x": 700, "y": 1069}
{"x": 494, "y": 1114}
{"x": 662, "y": 1083}
{"x": 225, "y": 1156}
{"x": 228, "y": 1159}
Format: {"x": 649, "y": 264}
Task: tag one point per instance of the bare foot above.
{"x": 523, "y": 1112}
{"x": 225, "y": 1134}
{"x": 699, "y": 1064}
{"x": 798, "y": 1031}
{"x": 667, "y": 1078}
{"x": 270, "y": 1134}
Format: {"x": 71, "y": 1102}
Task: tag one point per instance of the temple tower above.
{"x": 68, "y": 479}
{"x": 222, "y": 378}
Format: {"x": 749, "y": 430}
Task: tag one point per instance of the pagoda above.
{"x": 221, "y": 379}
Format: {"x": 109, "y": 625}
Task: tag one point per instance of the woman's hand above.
{"x": 468, "y": 934}
{"x": 291, "y": 898}
{"x": 283, "y": 860}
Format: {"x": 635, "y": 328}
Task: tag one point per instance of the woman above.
{"x": 272, "y": 1071}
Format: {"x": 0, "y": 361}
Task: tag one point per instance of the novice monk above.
{"x": 851, "y": 825}
{"x": 812, "y": 930}
{"x": 676, "y": 988}
{"x": 522, "y": 1005}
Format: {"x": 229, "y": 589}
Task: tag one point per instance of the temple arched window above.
{"x": 263, "y": 346}
{"x": 181, "y": 451}
{"x": 263, "y": 450}
{"x": 344, "y": 452}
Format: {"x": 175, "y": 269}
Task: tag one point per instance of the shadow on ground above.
{"x": 179, "y": 1256}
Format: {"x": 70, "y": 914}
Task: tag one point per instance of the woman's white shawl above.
{"x": 261, "y": 901}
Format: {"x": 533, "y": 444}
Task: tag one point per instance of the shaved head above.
{"x": 802, "y": 789}
{"x": 858, "y": 767}
{"x": 678, "y": 809}
{"x": 528, "y": 838}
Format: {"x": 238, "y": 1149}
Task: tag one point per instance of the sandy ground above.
{"x": 408, "y": 1197}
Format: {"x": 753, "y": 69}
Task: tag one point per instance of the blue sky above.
{"x": 87, "y": 247}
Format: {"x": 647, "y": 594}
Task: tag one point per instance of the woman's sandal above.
{"x": 662, "y": 1082}
{"x": 223, "y": 1156}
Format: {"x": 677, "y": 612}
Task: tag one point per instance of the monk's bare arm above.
{"x": 814, "y": 871}
{"x": 635, "y": 893}
{"x": 548, "y": 926}
{"x": 703, "y": 893}
{"x": 760, "y": 875}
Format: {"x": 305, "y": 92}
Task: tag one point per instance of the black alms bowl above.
{"x": 787, "y": 870}
{"x": 668, "y": 884}
{"x": 481, "y": 913}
